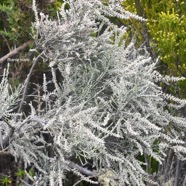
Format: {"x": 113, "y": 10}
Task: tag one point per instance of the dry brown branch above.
{"x": 15, "y": 51}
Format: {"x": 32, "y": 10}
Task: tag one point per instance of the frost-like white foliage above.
{"x": 166, "y": 79}
{"x": 107, "y": 107}
{"x": 82, "y": 20}
{"x": 8, "y": 97}
{"x": 35, "y": 12}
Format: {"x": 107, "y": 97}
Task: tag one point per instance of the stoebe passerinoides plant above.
{"x": 8, "y": 97}
{"x": 107, "y": 108}
{"x": 9, "y": 100}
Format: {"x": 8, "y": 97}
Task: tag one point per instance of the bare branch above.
{"x": 178, "y": 169}
{"x": 168, "y": 164}
{"x": 83, "y": 170}
{"x": 6, "y": 41}
{"x": 27, "y": 82}
{"x": 15, "y": 51}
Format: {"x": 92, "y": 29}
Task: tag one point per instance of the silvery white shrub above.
{"x": 107, "y": 108}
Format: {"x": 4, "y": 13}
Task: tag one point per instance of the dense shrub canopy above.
{"x": 106, "y": 106}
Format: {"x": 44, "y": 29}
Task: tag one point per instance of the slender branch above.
{"x": 27, "y": 82}
{"x": 83, "y": 170}
{"x": 144, "y": 31}
{"x": 6, "y": 121}
{"x": 75, "y": 184}
{"x": 178, "y": 169}
{"x": 177, "y": 66}
{"x": 14, "y": 51}
{"x": 147, "y": 163}
{"x": 6, "y": 41}
{"x": 184, "y": 181}
{"x": 4, "y": 153}
{"x": 24, "y": 182}
{"x": 168, "y": 164}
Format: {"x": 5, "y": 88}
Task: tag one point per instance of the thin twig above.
{"x": 26, "y": 184}
{"x": 27, "y": 82}
{"x": 83, "y": 170}
{"x": 168, "y": 164}
{"x": 147, "y": 163}
{"x": 177, "y": 66}
{"x": 6, "y": 121}
{"x": 6, "y": 41}
{"x": 14, "y": 51}
{"x": 75, "y": 184}
{"x": 184, "y": 181}
{"x": 178, "y": 169}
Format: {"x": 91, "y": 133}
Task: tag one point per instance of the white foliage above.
{"x": 8, "y": 98}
